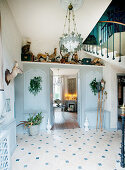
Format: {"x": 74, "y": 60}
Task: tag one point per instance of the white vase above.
{"x": 86, "y": 125}
{"x": 48, "y": 127}
{"x": 34, "y": 130}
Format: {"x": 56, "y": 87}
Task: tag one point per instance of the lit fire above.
{"x": 70, "y": 96}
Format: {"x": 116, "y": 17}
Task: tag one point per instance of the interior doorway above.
{"x": 65, "y": 95}
{"x": 121, "y": 97}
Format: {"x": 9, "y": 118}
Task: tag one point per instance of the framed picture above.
{"x": 72, "y": 85}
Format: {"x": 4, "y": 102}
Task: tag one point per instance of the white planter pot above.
{"x": 34, "y": 130}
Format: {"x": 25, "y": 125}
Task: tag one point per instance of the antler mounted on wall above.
{"x": 10, "y": 76}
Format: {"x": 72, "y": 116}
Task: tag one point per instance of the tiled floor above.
{"x": 68, "y": 149}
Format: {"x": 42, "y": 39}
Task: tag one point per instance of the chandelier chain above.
{"x": 65, "y": 22}
{"x": 74, "y": 23}
{"x": 69, "y": 22}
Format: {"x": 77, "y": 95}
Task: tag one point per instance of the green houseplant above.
{"x": 35, "y": 85}
{"x": 33, "y": 123}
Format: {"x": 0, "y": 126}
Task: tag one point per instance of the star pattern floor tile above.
{"x": 68, "y": 149}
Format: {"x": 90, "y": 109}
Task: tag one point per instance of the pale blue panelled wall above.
{"x": 27, "y": 103}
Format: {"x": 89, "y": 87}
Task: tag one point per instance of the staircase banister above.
{"x": 113, "y": 22}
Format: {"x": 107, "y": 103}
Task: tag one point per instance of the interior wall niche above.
{"x": 36, "y": 103}
{"x": 72, "y": 85}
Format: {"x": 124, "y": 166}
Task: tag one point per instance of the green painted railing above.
{"x": 101, "y": 34}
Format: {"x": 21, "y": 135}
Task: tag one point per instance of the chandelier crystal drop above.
{"x": 70, "y": 41}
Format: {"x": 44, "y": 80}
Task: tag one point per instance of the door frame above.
{"x": 119, "y": 74}
{"x": 79, "y": 108}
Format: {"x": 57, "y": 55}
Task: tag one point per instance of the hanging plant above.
{"x": 35, "y": 85}
{"x": 94, "y": 86}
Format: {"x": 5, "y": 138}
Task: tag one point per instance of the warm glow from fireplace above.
{"x": 70, "y": 96}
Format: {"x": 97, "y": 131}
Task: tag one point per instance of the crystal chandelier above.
{"x": 57, "y": 79}
{"x": 70, "y": 41}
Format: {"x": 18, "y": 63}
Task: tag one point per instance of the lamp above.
{"x": 70, "y": 41}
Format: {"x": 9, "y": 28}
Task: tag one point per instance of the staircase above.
{"x": 109, "y": 44}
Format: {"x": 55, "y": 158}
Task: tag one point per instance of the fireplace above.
{"x": 71, "y": 105}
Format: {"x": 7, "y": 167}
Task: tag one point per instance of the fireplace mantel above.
{"x": 68, "y": 103}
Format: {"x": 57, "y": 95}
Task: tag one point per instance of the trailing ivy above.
{"x": 35, "y": 85}
{"x": 94, "y": 86}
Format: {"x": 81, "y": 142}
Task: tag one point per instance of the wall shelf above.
{"x": 61, "y": 64}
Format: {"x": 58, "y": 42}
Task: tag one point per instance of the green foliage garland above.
{"x": 35, "y": 85}
{"x": 93, "y": 86}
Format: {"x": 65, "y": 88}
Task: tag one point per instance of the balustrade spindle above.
{"x": 105, "y": 32}
{"x": 101, "y": 38}
{"x": 119, "y": 45}
{"x": 93, "y": 49}
{"x": 93, "y": 43}
{"x": 113, "y": 43}
{"x": 103, "y": 35}
{"x": 107, "y": 39}
{"x": 97, "y": 40}
{"x": 89, "y": 48}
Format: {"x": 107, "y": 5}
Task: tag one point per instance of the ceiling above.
{"x": 66, "y": 72}
{"x": 42, "y": 21}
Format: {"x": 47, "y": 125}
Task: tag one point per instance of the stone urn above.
{"x": 34, "y": 130}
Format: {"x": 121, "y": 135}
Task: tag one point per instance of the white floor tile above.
{"x": 68, "y": 149}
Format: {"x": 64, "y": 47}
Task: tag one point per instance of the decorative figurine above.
{"x": 10, "y": 76}
{"x": 97, "y": 61}
{"x": 26, "y": 54}
{"x": 42, "y": 57}
{"x": 64, "y": 57}
{"x": 75, "y": 57}
{"x": 52, "y": 57}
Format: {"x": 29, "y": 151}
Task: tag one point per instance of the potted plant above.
{"x": 33, "y": 123}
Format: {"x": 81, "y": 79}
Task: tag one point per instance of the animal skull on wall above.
{"x": 10, "y": 76}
